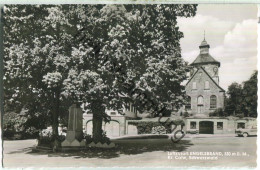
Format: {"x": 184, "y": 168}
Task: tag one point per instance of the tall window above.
{"x": 188, "y": 105}
{"x": 206, "y": 85}
{"x": 200, "y": 100}
{"x": 194, "y": 85}
{"x": 213, "y": 102}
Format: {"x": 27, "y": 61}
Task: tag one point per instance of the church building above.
{"x": 205, "y": 95}
{"x": 203, "y": 90}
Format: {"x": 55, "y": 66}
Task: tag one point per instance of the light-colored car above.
{"x": 246, "y": 132}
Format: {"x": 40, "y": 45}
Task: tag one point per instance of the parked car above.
{"x": 246, "y": 132}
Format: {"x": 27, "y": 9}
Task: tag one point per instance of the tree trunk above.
{"x": 55, "y": 124}
{"x": 97, "y": 127}
{"x": 55, "y": 121}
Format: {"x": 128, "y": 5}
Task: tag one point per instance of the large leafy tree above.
{"x": 242, "y": 98}
{"x": 102, "y": 55}
{"x": 249, "y": 93}
{"x": 234, "y": 99}
{"x": 134, "y": 56}
{"x": 37, "y": 58}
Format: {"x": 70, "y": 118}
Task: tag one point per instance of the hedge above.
{"x": 146, "y": 127}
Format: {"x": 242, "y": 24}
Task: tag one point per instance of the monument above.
{"x": 74, "y": 137}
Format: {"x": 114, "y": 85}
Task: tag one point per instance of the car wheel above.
{"x": 245, "y": 134}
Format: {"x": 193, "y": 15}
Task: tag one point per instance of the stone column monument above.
{"x": 74, "y": 137}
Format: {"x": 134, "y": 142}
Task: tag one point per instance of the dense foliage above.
{"x": 57, "y": 55}
{"x": 242, "y": 98}
{"x": 145, "y": 127}
{"x": 218, "y": 112}
{"x": 148, "y": 127}
{"x": 21, "y": 124}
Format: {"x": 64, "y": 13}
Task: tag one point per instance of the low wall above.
{"x": 229, "y": 124}
{"x": 116, "y": 127}
{"x": 119, "y": 126}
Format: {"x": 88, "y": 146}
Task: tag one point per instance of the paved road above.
{"x": 145, "y": 153}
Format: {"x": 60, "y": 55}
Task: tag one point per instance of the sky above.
{"x": 231, "y": 32}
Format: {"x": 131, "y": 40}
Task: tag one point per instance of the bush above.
{"x": 104, "y": 138}
{"x": 31, "y": 132}
{"x": 47, "y": 139}
{"x": 146, "y": 127}
{"x": 89, "y": 138}
{"x": 240, "y": 115}
{"x": 186, "y": 114}
{"x": 212, "y": 114}
{"x": 218, "y": 112}
{"x": 8, "y": 133}
{"x": 159, "y": 130}
{"x": 14, "y": 123}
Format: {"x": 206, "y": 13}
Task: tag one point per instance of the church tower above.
{"x": 203, "y": 90}
{"x": 205, "y": 60}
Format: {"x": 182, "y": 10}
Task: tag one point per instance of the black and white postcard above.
{"x": 129, "y": 85}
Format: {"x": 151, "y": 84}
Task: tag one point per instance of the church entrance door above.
{"x": 206, "y": 127}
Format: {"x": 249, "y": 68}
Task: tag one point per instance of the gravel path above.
{"x": 138, "y": 153}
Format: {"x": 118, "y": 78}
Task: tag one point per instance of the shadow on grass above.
{"x": 123, "y": 148}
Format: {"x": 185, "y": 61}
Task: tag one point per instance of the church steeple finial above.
{"x": 204, "y": 46}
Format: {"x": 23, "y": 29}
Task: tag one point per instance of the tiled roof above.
{"x": 205, "y": 59}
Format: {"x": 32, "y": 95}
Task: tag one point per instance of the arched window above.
{"x": 206, "y": 85}
{"x": 213, "y": 102}
{"x": 200, "y": 100}
{"x": 188, "y": 105}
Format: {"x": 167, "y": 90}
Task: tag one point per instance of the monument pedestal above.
{"x": 74, "y": 137}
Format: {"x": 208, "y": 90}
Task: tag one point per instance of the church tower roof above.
{"x": 204, "y": 57}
